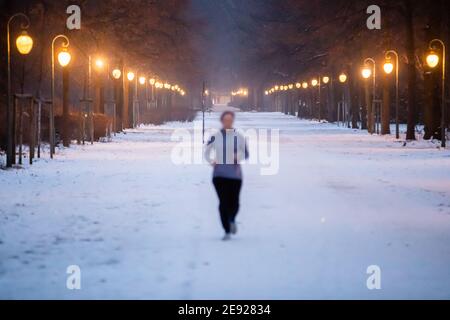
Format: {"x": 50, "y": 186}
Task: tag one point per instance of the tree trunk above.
{"x": 432, "y": 110}
{"x": 411, "y": 71}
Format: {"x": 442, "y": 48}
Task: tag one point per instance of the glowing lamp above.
{"x": 366, "y": 73}
{"x": 130, "y": 76}
{"x": 432, "y": 59}
{"x": 99, "y": 63}
{"x": 116, "y": 73}
{"x": 64, "y": 57}
{"x": 24, "y": 43}
{"x": 388, "y": 67}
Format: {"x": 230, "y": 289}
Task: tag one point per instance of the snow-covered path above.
{"x": 140, "y": 227}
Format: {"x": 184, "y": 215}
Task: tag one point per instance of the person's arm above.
{"x": 208, "y": 150}
{"x": 246, "y": 154}
{"x": 242, "y": 149}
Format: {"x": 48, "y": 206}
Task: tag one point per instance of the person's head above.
{"x": 227, "y": 119}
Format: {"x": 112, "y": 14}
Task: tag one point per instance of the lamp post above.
{"x": 131, "y": 76}
{"x": 118, "y": 97}
{"x": 388, "y": 68}
{"x": 24, "y": 44}
{"x": 433, "y": 61}
{"x": 342, "y": 80}
{"x": 63, "y": 59}
{"x": 142, "y": 82}
{"x": 315, "y": 83}
{"x": 99, "y": 99}
{"x": 367, "y": 73}
{"x": 204, "y": 94}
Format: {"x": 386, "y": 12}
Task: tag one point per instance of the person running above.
{"x": 224, "y": 151}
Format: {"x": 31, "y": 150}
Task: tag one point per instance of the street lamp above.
{"x": 433, "y": 61}
{"x": 142, "y": 80}
{"x": 368, "y": 72}
{"x": 63, "y": 59}
{"x": 116, "y": 73}
{"x": 315, "y": 83}
{"x": 99, "y": 63}
{"x": 130, "y": 76}
{"x": 24, "y": 44}
{"x": 342, "y": 80}
{"x": 388, "y": 68}
{"x": 325, "y": 79}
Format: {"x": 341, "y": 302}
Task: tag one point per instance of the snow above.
{"x": 141, "y": 227}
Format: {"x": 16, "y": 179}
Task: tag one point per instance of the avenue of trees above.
{"x": 229, "y": 44}
{"x": 148, "y": 37}
{"x": 290, "y": 41}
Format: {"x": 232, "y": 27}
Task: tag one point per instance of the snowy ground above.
{"x": 140, "y": 227}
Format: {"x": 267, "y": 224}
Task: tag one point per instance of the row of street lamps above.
{"x": 243, "y": 92}
{"x": 24, "y": 45}
{"x": 369, "y": 71}
{"x": 317, "y": 82}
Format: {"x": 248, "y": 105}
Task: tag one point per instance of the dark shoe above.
{"x": 233, "y": 227}
{"x": 226, "y": 237}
